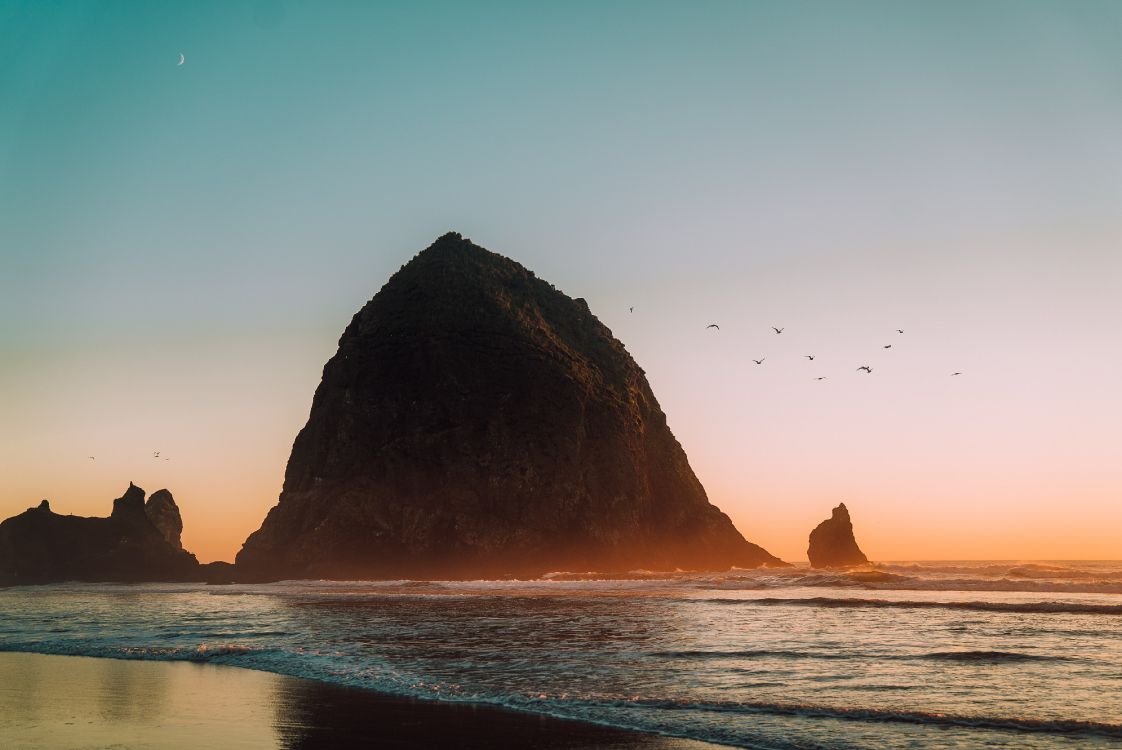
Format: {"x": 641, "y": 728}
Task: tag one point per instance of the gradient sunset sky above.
{"x": 181, "y": 246}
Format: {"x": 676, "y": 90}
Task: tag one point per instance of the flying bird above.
{"x": 713, "y": 325}
{"x": 866, "y": 368}
{"x": 821, "y": 378}
{"x": 955, "y": 373}
{"x": 182, "y": 59}
{"x": 888, "y": 346}
{"x": 92, "y": 458}
{"x": 759, "y": 361}
{"x": 155, "y": 454}
{"x": 899, "y": 330}
{"x": 631, "y": 309}
{"x": 809, "y": 356}
{"x": 777, "y": 330}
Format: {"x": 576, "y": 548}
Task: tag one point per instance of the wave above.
{"x": 988, "y": 657}
{"x": 748, "y": 654}
{"x": 1028, "y": 578}
{"x": 1068, "y": 727}
{"x": 1051, "y": 571}
{"x": 976, "y": 657}
{"x": 202, "y": 653}
{"x": 853, "y": 602}
{"x": 851, "y": 578}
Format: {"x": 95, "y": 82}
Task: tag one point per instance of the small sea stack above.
{"x": 832, "y": 544}
{"x": 138, "y": 541}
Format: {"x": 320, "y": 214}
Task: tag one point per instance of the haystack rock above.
{"x": 40, "y": 546}
{"x": 832, "y": 544}
{"x": 476, "y": 422}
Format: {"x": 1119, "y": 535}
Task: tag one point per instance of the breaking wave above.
{"x": 202, "y": 653}
{"x": 1072, "y": 608}
{"x": 1072, "y": 728}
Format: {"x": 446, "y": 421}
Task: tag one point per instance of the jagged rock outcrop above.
{"x": 40, "y": 546}
{"x": 475, "y": 421}
{"x": 832, "y": 544}
{"x": 164, "y": 515}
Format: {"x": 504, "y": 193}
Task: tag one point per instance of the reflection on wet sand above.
{"x": 312, "y": 715}
{"x": 82, "y": 702}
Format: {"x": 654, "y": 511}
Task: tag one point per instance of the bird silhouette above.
{"x": 713, "y": 325}
{"x": 631, "y": 309}
{"x": 777, "y": 330}
{"x": 955, "y": 373}
{"x": 92, "y": 458}
{"x": 888, "y": 346}
{"x": 809, "y": 356}
{"x": 899, "y": 330}
{"x": 155, "y": 454}
{"x": 759, "y": 361}
{"x": 821, "y": 378}
{"x": 866, "y": 368}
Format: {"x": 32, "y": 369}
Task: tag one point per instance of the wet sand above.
{"x": 82, "y": 702}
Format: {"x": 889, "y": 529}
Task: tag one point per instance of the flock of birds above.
{"x": 863, "y": 368}
{"x": 155, "y": 455}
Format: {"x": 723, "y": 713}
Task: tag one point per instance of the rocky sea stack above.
{"x": 138, "y": 542}
{"x": 477, "y": 422}
{"x": 832, "y": 544}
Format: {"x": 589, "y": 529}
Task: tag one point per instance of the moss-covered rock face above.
{"x": 832, "y": 544}
{"x": 475, "y": 421}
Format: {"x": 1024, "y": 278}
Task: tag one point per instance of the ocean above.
{"x": 901, "y": 655}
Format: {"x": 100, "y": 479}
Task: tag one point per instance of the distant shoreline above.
{"x": 81, "y": 701}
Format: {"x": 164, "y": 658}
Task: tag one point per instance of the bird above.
{"x": 182, "y": 59}
{"x": 777, "y": 330}
{"x": 631, "y": 309}
{"x": 821, "y": 378}
{"x": 713, "y": 325}
{"x": 809, "y": 356}
{"x": 888, "y": 346}
{"x": 955, "y": 373}
{"x": 155, "y": 454}
{"x": 866, "y": 368}
{"x": 899, "y": 330}
{"x": 759, "y": 361}
{"x": 92, "y": 458}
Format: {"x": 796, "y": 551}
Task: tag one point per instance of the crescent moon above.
{"x": 182, "y": 59}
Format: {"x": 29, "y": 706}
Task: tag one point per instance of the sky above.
{"x": 182, "y": 245}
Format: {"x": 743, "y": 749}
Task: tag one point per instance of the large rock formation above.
{"x": 40, "y": 546}
{"x": 475, "y": 421}
{"x": 832, "y": 544}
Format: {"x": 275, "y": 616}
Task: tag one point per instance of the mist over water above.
{"x": 939, "y": 655}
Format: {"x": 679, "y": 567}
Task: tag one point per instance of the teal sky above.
{"x": 180, "y": 246}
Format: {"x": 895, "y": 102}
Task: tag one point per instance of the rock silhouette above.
{"x": 164, "y": 515}
{"x": 40, "y": 546}
{"x": 832, "y": 544}
{"x": 477, "y": 422}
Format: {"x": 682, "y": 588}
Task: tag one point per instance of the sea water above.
{"x": 905, "y": 655}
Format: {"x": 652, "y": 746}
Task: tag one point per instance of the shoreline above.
{"x": 53, "y": 701}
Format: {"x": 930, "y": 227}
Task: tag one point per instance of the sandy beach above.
{"x": 82, "y": 702}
